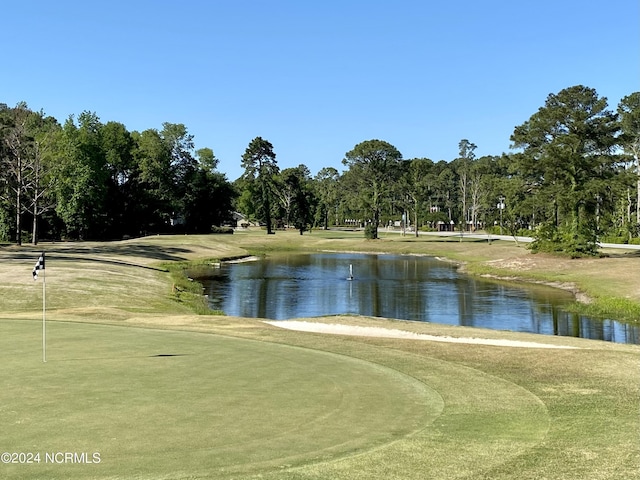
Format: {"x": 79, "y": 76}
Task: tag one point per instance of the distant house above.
{"x": 446, "y": 226}
{"x": 241, "y": 221}
{"x": 177, "y": 220}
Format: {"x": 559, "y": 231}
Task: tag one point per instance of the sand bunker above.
{"x": 339, "y": 329}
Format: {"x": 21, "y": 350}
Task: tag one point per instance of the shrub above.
{"x": 612, "y": 239}
{"x": 370, "y": 231}
{"x": 550, "y": 239}
{"x": 215, "y": 229}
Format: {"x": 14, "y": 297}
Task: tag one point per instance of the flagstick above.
{"x": 44, "y": 316}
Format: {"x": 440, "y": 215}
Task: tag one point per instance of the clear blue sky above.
{"x": 317, "y": 77}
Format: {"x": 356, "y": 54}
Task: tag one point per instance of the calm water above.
{"x": 397, "y": 286}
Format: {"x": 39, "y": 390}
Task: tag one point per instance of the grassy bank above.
{"x": 159, "y": 392}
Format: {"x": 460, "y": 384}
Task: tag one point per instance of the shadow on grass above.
{"x": 153, "y": 252}
{"x": 624, "y": 254}
{"x": 450, "y": 239}
{"x": 53, "y": 359}
{"x": 102, "y": 261}
{"x": 78, "y": 253}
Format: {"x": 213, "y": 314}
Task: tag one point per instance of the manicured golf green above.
{"x": 149, "y": 401}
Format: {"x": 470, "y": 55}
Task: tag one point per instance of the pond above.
{"x": 397, "y": 286}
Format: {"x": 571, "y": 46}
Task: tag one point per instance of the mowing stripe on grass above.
{"x": 152, "y": 402}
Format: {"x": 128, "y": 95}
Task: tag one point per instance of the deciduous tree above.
{"x": 419, "y": 180}
{"x": 17, "y": 159}
{"x": 153, "y": 182}
{"x": 375, "y": 165}
{"x": 83, "y": 178}
{"x": 326, "y": 184}
{"x": 463, "y": 168}
{"x": 46, "y": 131}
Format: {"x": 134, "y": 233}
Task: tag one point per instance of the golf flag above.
{"x": 39, "y": 266}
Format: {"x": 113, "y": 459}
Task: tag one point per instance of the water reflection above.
{"x": 396, "y": 286}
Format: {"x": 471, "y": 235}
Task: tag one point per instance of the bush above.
{"x": 215, "y": 229}
{"x": 370, "y": 231}
{"x": 612, "y": 239}
{"x": 549, "y": 239}
{"x": 619, "y": 240}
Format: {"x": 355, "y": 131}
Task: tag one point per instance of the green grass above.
{"x": 241, "y": 399}
{"x": 152, "y": 402}
{"x": 224, "y": 407}
{"x": 609, "y": 307}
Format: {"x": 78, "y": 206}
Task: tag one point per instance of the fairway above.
{"x": 148, "y": 401}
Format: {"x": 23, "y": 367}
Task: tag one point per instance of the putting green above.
{"x": 156, "y": 404}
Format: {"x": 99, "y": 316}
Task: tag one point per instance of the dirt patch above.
{"x": 516, "y": 264}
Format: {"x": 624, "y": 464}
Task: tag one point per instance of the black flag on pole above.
{"x": 39, "y": 266}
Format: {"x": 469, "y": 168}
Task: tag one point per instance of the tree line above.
{"x": 85, "y": 179}
{"x": 572, "y": 179}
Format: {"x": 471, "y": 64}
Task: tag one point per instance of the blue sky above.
{"x": 317, "y": 77}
